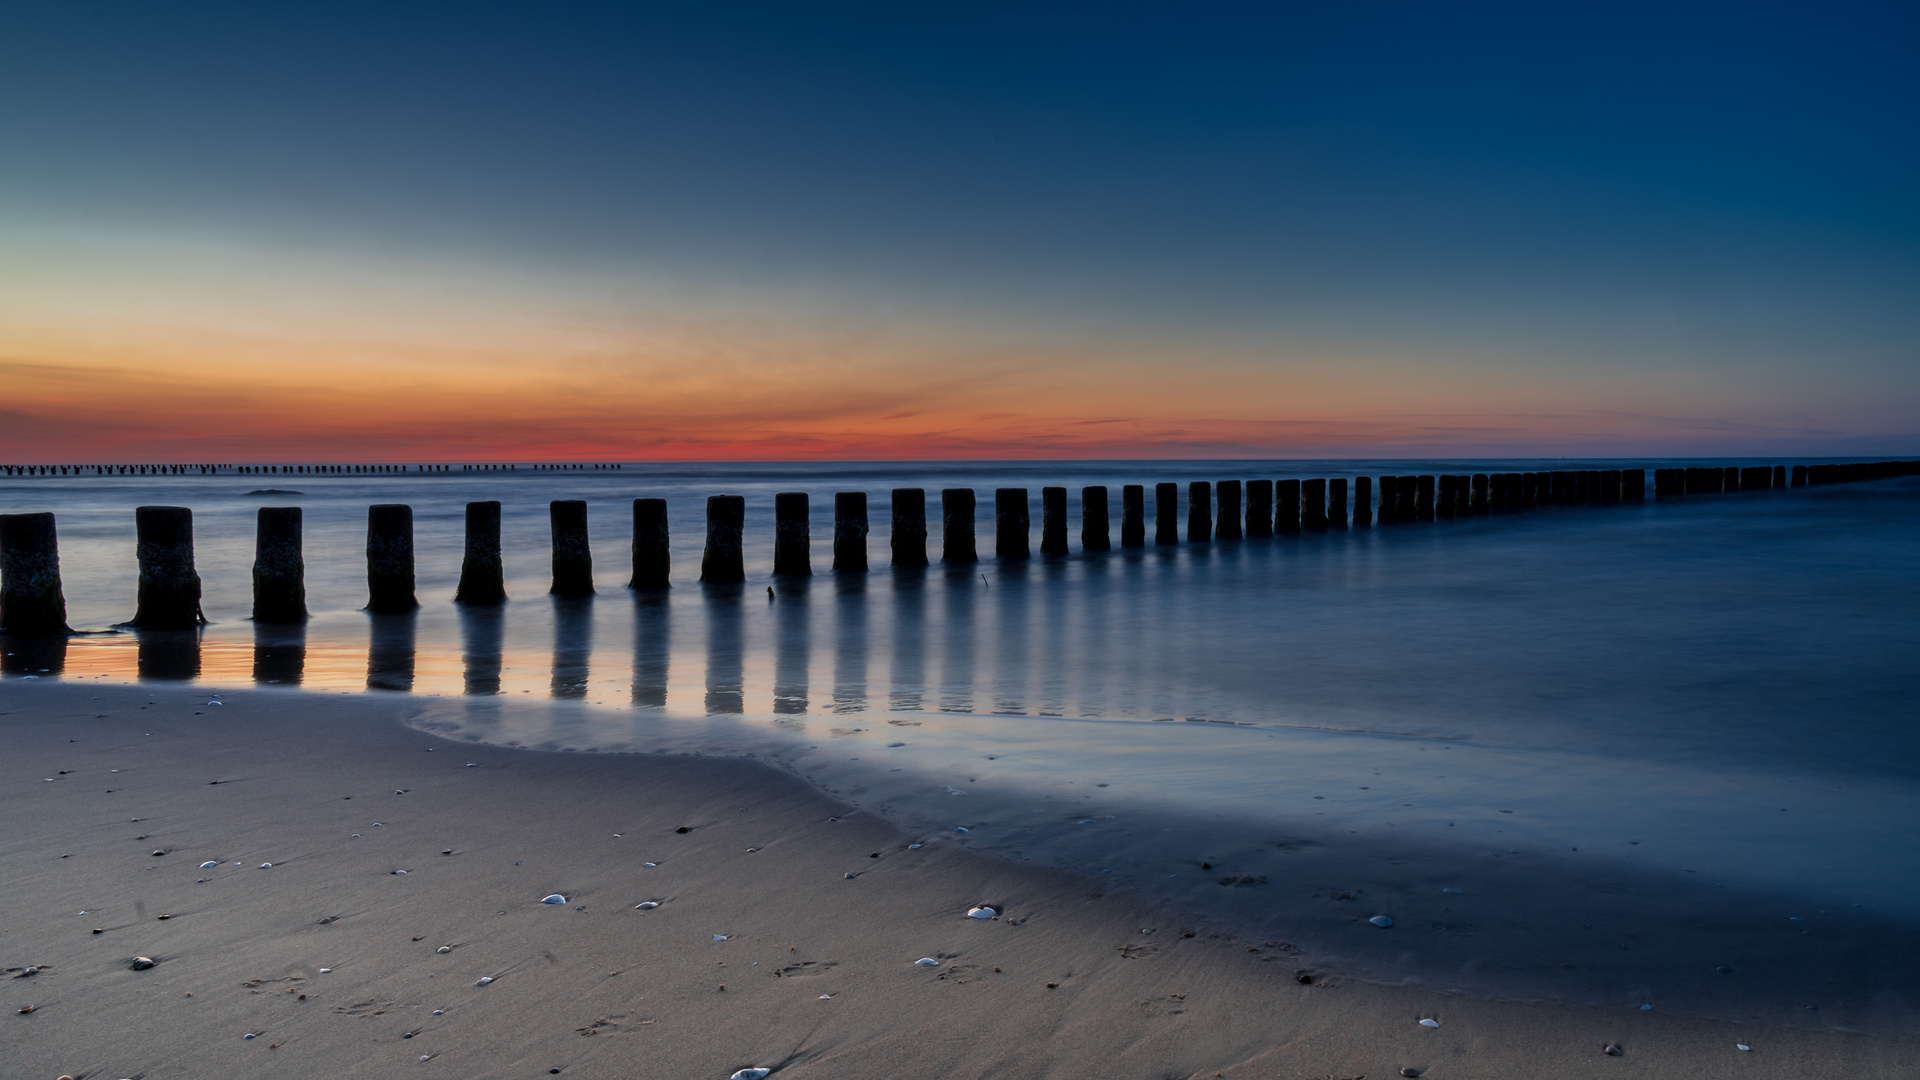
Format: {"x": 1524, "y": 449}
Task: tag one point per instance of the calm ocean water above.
{"x": 1659, "y": 733}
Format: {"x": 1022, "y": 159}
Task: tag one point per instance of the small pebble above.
{"x": 1742, "y": 1046}
{"x": 484, "y": 980}
{"x": 250, "y": 1035}
{"x": 1646, "y": 1008}
{"x": 1381, "y": 921}
{"x": 555, "y": 898}
{"x": 266, "y": 866}
{"x": 444, "y": 950}
{"x": 98, "y": 930}
{"x": 1409, "y": 1071}
{"x": 926, "y": 961}
{"x": 324, "y": 971}
{"x": 981, "y": 913}
{"x": 719, "y": 937}
{"x": 749, "y": 1074}
{"x": 1611, "y": 1050}
{"x": 208, "y": 865}
{"x": 915, "y": 847}
{"x": 439, "y": 1012}
{"x": 646, "y": 905}
{"x": 140, "y": 963}
{"x": 1429, "y": 1023}
{"x": 158, "y": 854}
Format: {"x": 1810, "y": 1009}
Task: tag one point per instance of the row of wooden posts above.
{"x": 32, "y": 601}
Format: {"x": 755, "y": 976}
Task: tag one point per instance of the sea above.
{"x": 1659, "y": 754}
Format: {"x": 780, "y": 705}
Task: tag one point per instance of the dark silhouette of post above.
{"x": 1633, "y": 485}
{"x": 483, "y": 578}
{"x": 956, "y": 526}
{"x": 652, "y": 556}
{"x": 1199, "y": 512}
{"x": 1259, "y": 508}
{"x": 909, "y": 539}
{"x": 792, "y": 537}
{"x": 1482, "y": 487}
{"x": 850, "y": 532}
{"x": 1226, "y": 521}
{"x": 1446, "y": 497}
{"x": 1779, "y": 476}
{"x": 31, "y": 601}
{"x": 572, "y": 555}
{"x": 723, "y": 562}
{"x": 1095, "y": 528}
{"x": 1389, "y": 500}
{"x": 1362, "y": 502}
{"x": 279, "y": 571}
{"x": 1011, "y": 524}
{"x": 169, "y": 593}
{"x": 1799, "y": 476}
{"x": 1286, "y": 507}
{"x": 1166, "y": 513}
{"x": 1423, "y": 498}
{"x": 1313, "y": 505}
{"x": 1133, "y": 515}
{"x": 1053, "y": 521}
{"x": 1337, "y": 503}
{"x": 390, "y": 558}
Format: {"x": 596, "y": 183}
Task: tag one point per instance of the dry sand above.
{"x": 331, "y": 960}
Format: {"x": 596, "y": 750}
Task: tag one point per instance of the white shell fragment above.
{"x": 750, "y": 1074}
{"x": 250, "y": 1035}
{"x": 1381, "y": 921}
{"x": 444, "y": 950}
{"x": 556, "y": 898}
{"x": 1429, "y": 1023}
{"x": 324, "y": 971}
{"x": 926, "y": 961}
{"x": 646, "y": 905}
{"x": 981, "y": 913}
{"x": 484, "y": 980}
{"x": 266, "y": 866}
{"x": 208, "y": 865}
{"x": 1742, "y": 1046}
{"x": 719, "y": 937}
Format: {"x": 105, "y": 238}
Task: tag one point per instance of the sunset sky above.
{"x": 422, "y": 232}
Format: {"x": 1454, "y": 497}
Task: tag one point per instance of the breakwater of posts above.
{"x": 32, "y": 600}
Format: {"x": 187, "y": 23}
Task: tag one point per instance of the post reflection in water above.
{"x": 1051, "y": 656}
{"x": 956, "y": 667}
{"x": 726, "y": 661}
{"x": 652, "y": 648}
{"x": 850, "y": 644}
{"x": 572, "y": 645}
{"x": 279, "y": 653}
{"x": 33, "y": 655}
{"x": 1093, "y": 623}
{"x": 169, "y": 654}
{"x": 482, "y": 633}
{"x": 390, "y": 650}
{"x": 1011, "y": 604}
{"x": 792, "y": 649}
{"x": 909, "y": 675}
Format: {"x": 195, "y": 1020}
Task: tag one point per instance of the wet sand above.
{"x": 818, "y": 968}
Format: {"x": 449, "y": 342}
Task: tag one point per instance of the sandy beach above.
{"x": 367, "y": 880}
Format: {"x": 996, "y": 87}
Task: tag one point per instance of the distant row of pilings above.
{"x": 295, "y": 470}
{"x": 32, "y": 602}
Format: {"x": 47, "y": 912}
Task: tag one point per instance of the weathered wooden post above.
{"x": 957, "y": 516}
{"x": 724, "y": 560}
{"x": 1423, "y": 498}
{"x": 1199, "y": 512}
{"x": 1756, "y": 477}
{"x": 482, "y": 575}
{"x": 652, "y": 555}
{"x": 1362, "y": 502}
{"x": 572, "y": 555}
{"x": 1633, "y": 485}
{"x": 1389, "y": 500}
{"x": 1095, "y": 527}
{"x": 1053, "y": 521}
{"x": 1730, "y": 478}
{"x": 1166, "y": 513}
{"x": 1799, "y": 476}
{"x": 169, "y": 592}
{"x": 1133, "y": 515}
{"x": 1259, "y": 508}
{"x": 792, "y": 534}
{"x": 1313, "y": 505}
{"x": 1482, "y": 490}
{"x": 1227, "y": 515}
{"x": 1012, "y": 524}
{"x": 1497, "y": 493}
{"x": 279, "y": 571}
{"x": 390, "y": 558}
{"x": 850, "y": 532}
{"x": 31, "y": 601}
{"x": 1447, "y": 500}
{"x": 1779, "y": 476}
{"x": 909, "y": 539}
{"x": 1337, "y": 503}
{"x": 1610, "y": 484}
{"x": 1286, "y": 507}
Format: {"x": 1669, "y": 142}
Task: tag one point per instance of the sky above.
{"x": 346, "y": 232}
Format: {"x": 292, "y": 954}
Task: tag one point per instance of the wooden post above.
{"x": 652, "y": 555}
{"x": 724, "y": 560}
{"x": 1756, "y": 478}
{"x": 1313, "y": 505}
{"x": 1199, "y": 512}
{"x": 850, "y": 532}
{"x": 1012, "y": 524}
{"x": 482, "y": 575}
{"x": 1227, "y": 514}
{"x": 1166, "y": 513}
{"x": 1779, "y": 476}
{"x": 1286, "y": 507}
{"x": 1095, "y": 527}
{"x": 169, "y": 593}
{"x": 1633, "y": 485}
{"x": 1482, "y": 488}
{"x": 1337, "y": 503}
{"x": 279, "y": 571}
{"x": 1259, "y": 508}
{"x": 1423, "y": 498}
{"x": 572, "y": 555}
{"x": 1362, "y": 502}
{"x": 1389, "y": 500}
{"x": 390, "y": 558}
{"x": 1730, "y": 478}
{"x": 909, "y": 539}
{"x": 1447, "y": 500}
{"x": 957, "y": 516}
{"x": 31, "y": 601}
{"x": 792, "y": 534}
{"x": 1053, "y": 520}
{"x": 1799, "y": 476}
{"x": 1133, "y": 515}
